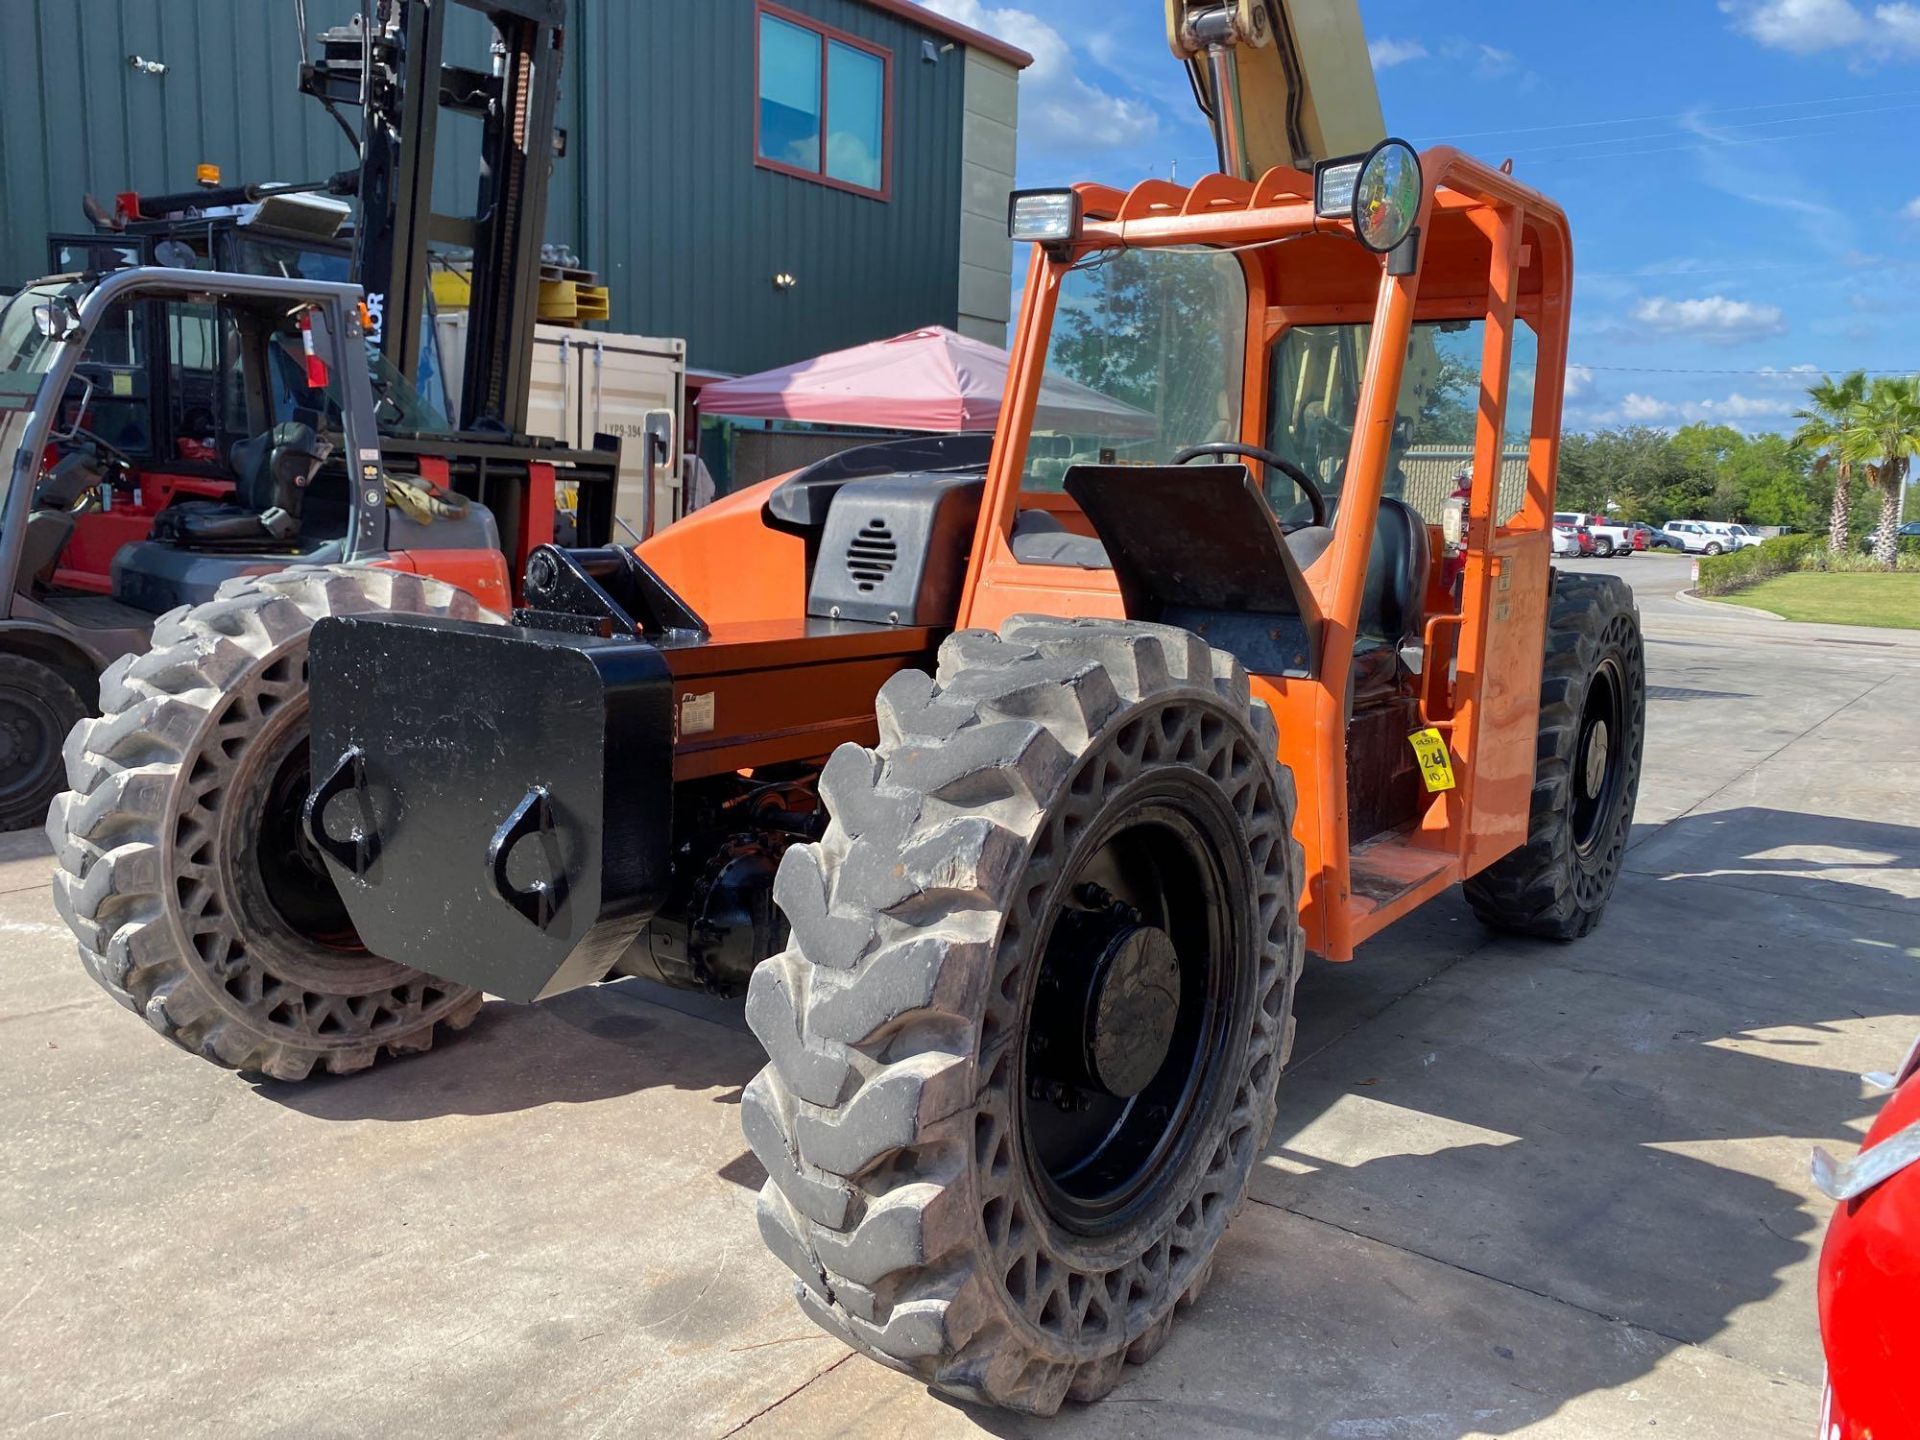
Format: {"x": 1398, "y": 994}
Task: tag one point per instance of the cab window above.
{"x": 206, "y": 396}
{"x": 115, "y": 362}
{"x": 1314, "y": 397}
{"x": 397, "y": 406}
{"x": 1146, "y": 358}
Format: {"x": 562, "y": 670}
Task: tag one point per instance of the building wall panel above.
{"x": 658, "y": 190}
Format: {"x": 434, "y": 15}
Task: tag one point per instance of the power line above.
{"x": 1714, "y": 136}
{"x": 1691, "y": 147}
{"x": 1679, "y": 115}
{"x": 1841, "y": 269}
{"x": 1808, "y": 373}
{"x": 1625, "y": 147}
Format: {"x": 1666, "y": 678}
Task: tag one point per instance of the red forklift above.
{"x": 173, "y": 428}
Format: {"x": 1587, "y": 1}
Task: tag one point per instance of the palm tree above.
{"x": 1883, "y": 433}
{"x": 1820, "y": 430}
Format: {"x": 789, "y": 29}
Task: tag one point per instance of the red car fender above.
{"x": 1869, "y": 1284}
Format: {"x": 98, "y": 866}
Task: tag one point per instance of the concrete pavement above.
{"x": 1515, "y": 1189}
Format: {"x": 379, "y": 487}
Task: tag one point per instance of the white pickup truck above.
{"x": 1609, "y": 538}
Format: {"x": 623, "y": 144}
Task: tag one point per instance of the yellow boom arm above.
{"x": 1283, "y": 82}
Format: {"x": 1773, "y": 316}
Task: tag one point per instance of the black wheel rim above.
{"x": 1599, "y": 757}
{"x": 30, "y": 736}
{"x": 292, "y": 875}
{"x": 1097, "y": 1158}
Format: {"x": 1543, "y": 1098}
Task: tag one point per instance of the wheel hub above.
{"x": 29, "y": 738}
{"x": 1594, "y": 772}
{"x": 1117, "y": 1000}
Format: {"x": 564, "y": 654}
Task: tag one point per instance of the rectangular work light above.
{"x": 1044, "y": 217}
{"x": 1333, "y": 182}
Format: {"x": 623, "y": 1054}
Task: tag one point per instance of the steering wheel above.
{"x": 96, "y": 376}
{"x": 1286, "y": 467}
{"x": 110, "y": 454}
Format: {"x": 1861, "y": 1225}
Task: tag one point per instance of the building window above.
{"x": 823, "y": 104}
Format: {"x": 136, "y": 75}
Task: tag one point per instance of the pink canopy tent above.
{"x": 931, "y": 379}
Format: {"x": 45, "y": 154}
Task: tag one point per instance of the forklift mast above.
{"x": 394, "y": 70}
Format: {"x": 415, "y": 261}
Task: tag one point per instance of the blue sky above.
{"x": 1743, "y": 176}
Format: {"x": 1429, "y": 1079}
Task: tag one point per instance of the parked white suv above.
{"x": 1711, "y": 537}
{"x": 1609, "y": 537}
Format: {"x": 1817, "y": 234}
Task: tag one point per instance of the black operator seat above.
{"x": 1393, "y": 606}
{"x": 271, "y": 472}
{"x": 51, "y": 522}
{"x": 1393, "y": 603}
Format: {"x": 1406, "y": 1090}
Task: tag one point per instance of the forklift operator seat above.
{"x": 50, "y": 524}
{"x": 1393, "y": 603}
{"x": 270, "y": 472}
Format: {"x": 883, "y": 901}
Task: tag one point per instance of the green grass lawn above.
{"x": 1869, "y": 599}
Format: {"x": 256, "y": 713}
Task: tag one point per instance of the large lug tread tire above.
{"x": 1547, "y": 888}
{"x": 164, "y": 792}
{"x": 890, "y": 1018}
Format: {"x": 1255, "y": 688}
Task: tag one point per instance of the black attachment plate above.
{"x": 510, "y": 808}
{"x": 1196, "y": 546}
{"x": 603, "y": 590}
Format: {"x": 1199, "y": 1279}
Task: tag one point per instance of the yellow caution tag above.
{"x": 122, "y": 383}
{"x": 1436, "y": 769}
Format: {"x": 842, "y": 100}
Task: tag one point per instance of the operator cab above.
{"x": 1147, "y": 366}
{"x": 199, "y": 439}
{"x": 1233, "y": 324}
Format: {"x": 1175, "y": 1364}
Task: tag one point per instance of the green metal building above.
{"x": 769, "y": 181}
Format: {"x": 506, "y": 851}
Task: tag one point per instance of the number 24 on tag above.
{"x": 1436, "y": 768}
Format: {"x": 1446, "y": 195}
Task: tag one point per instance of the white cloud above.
{"x": 1805, "y": 27}
{"x": 1105, "y": 48}
{"x": 1488, "y": 61}
{"x": 1769, "y": 180}
{"x": 1644, "y": 409}
{"x": 1387, "y": 52}
{"x": 1802, "y": 26}
{"x": 1795, "y": 375}
{"x": 1901, "y": 25}
{"x": 1494, "y": 61}
{"x": 1059, "y": 109}
{"x": 1912, "y": 208}
{"x": 1713, "y": 317}
{"x": 1638, "y": 409}
{"x": 1579, "y": 380}
{"x": 1744, "y": 407}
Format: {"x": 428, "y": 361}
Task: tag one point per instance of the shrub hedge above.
{"x": 1782, "y": 555}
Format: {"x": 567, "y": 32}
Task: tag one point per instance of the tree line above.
{"x": 1854, "y": 434}
{"x": 1700, "y": 472}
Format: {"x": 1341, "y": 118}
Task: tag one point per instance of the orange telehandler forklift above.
{"x": 1012, "y": 776}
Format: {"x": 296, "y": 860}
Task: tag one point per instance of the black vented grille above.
{"x": 871, "y": 555}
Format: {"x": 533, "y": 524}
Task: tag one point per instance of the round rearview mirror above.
{"x": 50, "y": 320}
{"x": 1386, "y": 197}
